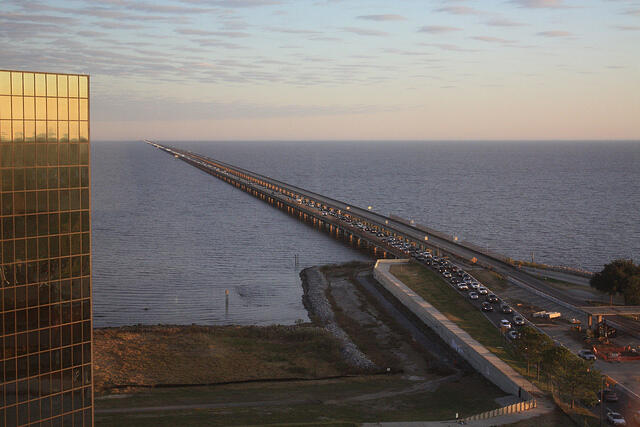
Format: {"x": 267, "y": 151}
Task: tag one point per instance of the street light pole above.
{"x": 602, "y": 400}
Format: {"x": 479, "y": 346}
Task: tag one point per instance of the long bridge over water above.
{"x": 370, "y": 230}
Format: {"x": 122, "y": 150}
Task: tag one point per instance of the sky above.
{"x": 340, "y": 69}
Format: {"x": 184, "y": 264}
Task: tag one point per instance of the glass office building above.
{"x": 45, "y": 250}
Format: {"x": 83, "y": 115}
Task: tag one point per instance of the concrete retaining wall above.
{"x": 485, "y": 362}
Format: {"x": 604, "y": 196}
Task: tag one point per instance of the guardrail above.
{"x": 505, "y": 410}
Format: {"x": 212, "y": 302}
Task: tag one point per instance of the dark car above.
{"x": 492, "y": 298}
{"x": 506, "y": 309}
{"x": 486, "y": 306}
{"x": 609, "y": 395}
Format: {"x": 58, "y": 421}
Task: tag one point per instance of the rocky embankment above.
{"x": 315, "y": 285}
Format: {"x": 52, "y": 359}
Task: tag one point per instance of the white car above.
{"x": 616, "y": 419}
{"x": 587, "y": 354}
{"x": 475, "y": 285}
{"x": 504, "y": 323}
{"x": 473, "y": 295}
{"x": 463, "y": 287}
{"x": 482, "y": 290}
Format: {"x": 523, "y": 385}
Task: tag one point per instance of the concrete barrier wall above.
{"x": 485, "y": 362}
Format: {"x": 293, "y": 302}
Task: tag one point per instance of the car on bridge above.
{"x": 504, "y": 323}
{"x": 486, "y": 306}
{"x": 518, "y": 320}
{"x": 506, "y": 309}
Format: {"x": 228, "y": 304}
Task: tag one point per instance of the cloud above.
{"x": 628, "y": 27}
{"x": 448, "y": 46}
{"x": 460, "y": 10}
{"x": 503, "y": 22}
{"x": 492, "y": 39}
{"x": 437, "y": 29}
{"x": 387, "y": 17}
{"x": 365, "y": 31}
{"x": 193, "y": 32}
{"x": 117, "y": 25}
{"x": 291, "y": 30}
{"x": 234, "y": 3}
{"x": 540, "y": 4}
{"x": 555, "y": 33}
{"x": 135, "y": 109}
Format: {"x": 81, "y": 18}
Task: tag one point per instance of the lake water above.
{"x": 168, "y": 239}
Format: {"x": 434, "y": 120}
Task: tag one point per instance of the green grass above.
{"x": 456, "y": 308}
{"x": 317, "y": 403}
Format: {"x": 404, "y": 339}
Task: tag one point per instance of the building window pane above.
{"x": 73, "y": 86}
{"x": 63, "y": 109}
{"x": 52, "y": 86}
{"x": 83, "y": 86}
{"x": 62, "y": 85}
{"x": 52, "y": 136}
{"x": 73, "y": 109}
{"x": 84, "y": 109}
{"x": 5, "y": 107}
{"x": 52, "y": 109}
{"x": 41, "y": 133}
{"x": 16, "y": 107}
{"x": 84, "y": 131}
{"x": 41, "y": 85}
{"x": 5, "y": 83}
{"x": 63, "y": 131}
{"x": 28, "y": 84}
{"x": 30, "y": 131}
{"x": 16, "y": 83}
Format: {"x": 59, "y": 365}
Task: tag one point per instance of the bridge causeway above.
{"x": 341, "y": 221}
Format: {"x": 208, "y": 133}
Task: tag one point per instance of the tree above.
{"x": 632, "y": 291}
{"x": 579, "y": 381}
{"x": 619, "y": 276}
{"x": 574, "y": 378}
{"x": 532, "y": 345}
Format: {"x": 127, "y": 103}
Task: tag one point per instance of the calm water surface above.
{"x": 169, "y": 239}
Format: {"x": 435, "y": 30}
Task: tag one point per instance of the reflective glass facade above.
{"x": 45, "y": 250}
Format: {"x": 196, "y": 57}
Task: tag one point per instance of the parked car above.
{"x": 492, "y": 298}
{"x": 504, "y": 323}
{"x": 473, "y": 295}
{"x": 587, "y": 354}
{"x": 486, "y": 306}
{"x": 616, "y": 419}
{"x": 518, "y": 320}
{"x": 506, "y": 309}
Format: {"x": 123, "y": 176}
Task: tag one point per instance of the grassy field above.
{"x": 445, "y": 299}
{"x": 153, "y": 355}
{"x": 328, "y": 402}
